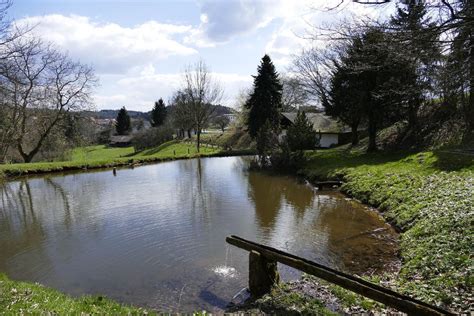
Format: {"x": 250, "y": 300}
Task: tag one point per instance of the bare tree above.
{"x": 240, "y": 101}
{"x": 8, "y": 34}
{"x": 294, "y": 94}
{"x": 180, "y": 114}
{"x": 202, "y": 92}
{"x": 312, "y": 69}
{"x": 40, "y": 85}
{"x": 222, "y": 122}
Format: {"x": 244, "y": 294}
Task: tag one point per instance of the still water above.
{"x": 154, "y": 236}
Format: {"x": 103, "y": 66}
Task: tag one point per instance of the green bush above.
{"x": 284, "y": 159}
{"x": 152, "y": 137}
{"x": 301, "y": 135}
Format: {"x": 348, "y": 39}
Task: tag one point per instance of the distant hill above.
{"x": 220, "y": 110}
{"x": 111, "y": 114}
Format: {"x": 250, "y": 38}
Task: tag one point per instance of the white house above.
{"x": 330, "y": 132}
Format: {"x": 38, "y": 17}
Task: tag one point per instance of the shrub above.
{"x": 152, "y": 137}
{"x": 285, "y": 160}
{"x": 301, "y": 135}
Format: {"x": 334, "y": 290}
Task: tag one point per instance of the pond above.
{"x": 154, "y": 235}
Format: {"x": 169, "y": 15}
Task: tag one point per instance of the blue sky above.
{"x": 140, "y": 48}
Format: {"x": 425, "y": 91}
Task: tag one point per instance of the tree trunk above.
{"x": 412, "y": 114}
{"x": 26, "y": 157}
{"x": 355, "y": 134}
{"x": 198, "y": 139}
{"x": 470, "y": 111}
{"x": 372, "y": 134}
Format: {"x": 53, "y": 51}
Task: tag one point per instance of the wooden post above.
{"x": 263, "y": 274}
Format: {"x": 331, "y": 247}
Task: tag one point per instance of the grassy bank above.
{"x": 94, "y": 157}
{"x": 19, "y": 298}
{"x": 429, "y": 197}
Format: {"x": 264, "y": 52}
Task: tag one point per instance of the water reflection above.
{"x": 153, "y": 236}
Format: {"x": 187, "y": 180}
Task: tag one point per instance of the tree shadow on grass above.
{"x": 453, "y": 161}
{"x": 325, "y": 163}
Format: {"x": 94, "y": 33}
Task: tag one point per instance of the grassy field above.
{"x": 20, "y": 298}
{"x": 99, "y": 152}
{"x": 101, "y": 156}
{"x": 231, "y": 138}
{"x": 429, "y": 196}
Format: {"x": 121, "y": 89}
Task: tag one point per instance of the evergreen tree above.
{"x": 418, "y": 46}
{"x": 122, "y": 125}
{"x": 369, "y": 83}
{"x": 301, "y": 135}
{"x": 158, "y": 114}
{"x": 344, "y": 99}
{"x": 379, "y": 71}
{"x": 264, "y": 103}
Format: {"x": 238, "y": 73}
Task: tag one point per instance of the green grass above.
{"x": 20, "y": 298}
{"x": 283, "y": 301}
{"x": 429, "y": 196}
{"x": 93, "y": 157}
{"x": 99, "y": 152}
{"x": 180, "y": 148}
{"x": 231, "y": 138}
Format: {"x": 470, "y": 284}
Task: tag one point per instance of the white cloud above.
{"x": 140, "y": 64}
{"x": 126, "y": 59}
{"x": 109, "y": 47}
{"x": 223, "y": 20}
{"x": 301, "y": 17}
{"x": 140, "y": 89}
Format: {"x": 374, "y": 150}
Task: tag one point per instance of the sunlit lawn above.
{"x": 103, "y": 156}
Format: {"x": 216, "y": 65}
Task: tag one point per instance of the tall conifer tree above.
{"x": 158, "y": 114}
{"x": 122, "y": 126}
{"x": 264, "y": 103}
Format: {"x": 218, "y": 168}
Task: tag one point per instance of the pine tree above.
{"x": 264, "y": 103}
{"x": 301, "y": 135}
{"x": 368, "y": 83}
{"x": 158, "y": 114}
{"x": 122, "y": 125}
{"x": 344, "y": 98}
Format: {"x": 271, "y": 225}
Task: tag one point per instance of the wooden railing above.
{"x": 263, "y": 275}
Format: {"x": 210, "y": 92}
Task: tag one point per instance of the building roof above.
{"x": 321, "y": 122}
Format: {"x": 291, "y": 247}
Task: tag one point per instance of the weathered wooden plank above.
{"x": 380, "y": 294}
